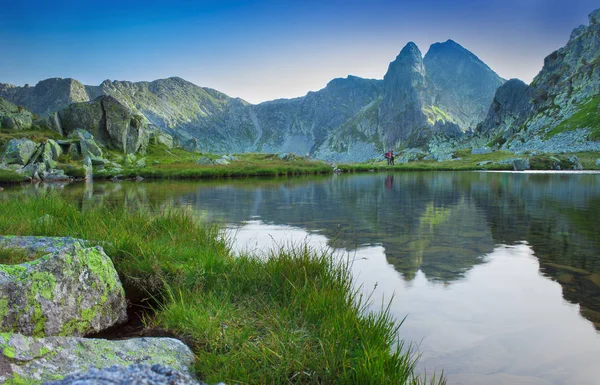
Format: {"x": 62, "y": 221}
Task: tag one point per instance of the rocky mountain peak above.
{"x": 459, "y": 84}
{"x": 407, "y": 69}
{"x": 409, "y": 57}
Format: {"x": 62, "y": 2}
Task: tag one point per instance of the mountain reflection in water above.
{"x": 477, "y": 241}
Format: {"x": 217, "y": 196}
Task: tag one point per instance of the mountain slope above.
{"x": 560, "y": 110}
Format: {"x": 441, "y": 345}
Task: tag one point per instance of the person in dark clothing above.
{"x": 391, "y": 160}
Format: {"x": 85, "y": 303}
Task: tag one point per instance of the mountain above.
{"x": 560, "y": 110}
{"x": 448, "y": 91}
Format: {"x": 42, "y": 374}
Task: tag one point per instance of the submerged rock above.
{"x": 36, "y": 360}
{"x": 72, "y": 290}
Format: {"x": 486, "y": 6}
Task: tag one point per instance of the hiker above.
{"x": 388, "y": 157}
{"x": 391, "y": 160}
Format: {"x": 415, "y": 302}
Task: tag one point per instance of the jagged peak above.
{"x": 409, "y": 59}
{"x": 410, "y": 50}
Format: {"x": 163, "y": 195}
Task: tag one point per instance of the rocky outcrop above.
{"x": 29, "y": 360}
{"x": 109, "y": 121}
{"x": 511, "y": 106}
{"x": 47, "y": 96}
{"x": 128, "y": 375}
{"x": 559, "y": 111}
{"x": 14, "y": 117}
{"x": 73, "y": 289}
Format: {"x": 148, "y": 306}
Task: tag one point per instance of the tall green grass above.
{"x": 295, "y": 317}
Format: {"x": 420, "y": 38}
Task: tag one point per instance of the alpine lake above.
{"x": 496, "y": 274}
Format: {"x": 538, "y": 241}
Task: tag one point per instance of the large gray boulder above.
{"x": 36, "y": 360}
{"x": 72, "y": 290}
{"x": 110, "y": 122}
{"x": 19, "y": 151}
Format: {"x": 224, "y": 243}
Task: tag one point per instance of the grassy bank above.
{"x": 294, "y": 318}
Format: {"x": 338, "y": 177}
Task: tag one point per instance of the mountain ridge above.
{"x": 330, "y": 123}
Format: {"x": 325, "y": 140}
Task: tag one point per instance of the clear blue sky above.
{"x": 262, "y": 50}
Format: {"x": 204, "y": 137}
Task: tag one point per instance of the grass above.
{"x": 587, "y": 117}
{"x": 293, "y": 318}
{"x": 466, "y": 162}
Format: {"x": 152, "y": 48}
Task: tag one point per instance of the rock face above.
{"x": 134, "y": 374}
{"x": 559, "y": 111}
{"x": 13, "y": 117}
{"x": 459, "y": 83}
{"x": 72, "y": 290}
{"x": 110, "y": 122}
{"x": 349, "y": 119}
{"x": 29, "y": 360}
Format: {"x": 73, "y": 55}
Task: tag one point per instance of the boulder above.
{"x": 164, "y": 139}
{"x": 19, "y": 151}
{"x": 229, "y": 158}
{"x": 87, "y": 144}
{"x": 205, "y": 160}
{"x": 110, "y": 122}
{"x": 481, "y": 151}
{"x": 598, "y": 162}
{"x": 54, "y": 176}
{"x": 75, "y": 151}
{"x": 285, "y": 156}
{"x": 31, "y": 360}
{"x": 576, "y": 162}
{"x": 72, "y": 290}
{"x": 130, "y": 159}
{"x": 221, "y": 161}
{"x": 87, "y": 166}
{"x": 140, "y": 163}
{"x": 521, "y": 164}
{"x": 134, "y": 374}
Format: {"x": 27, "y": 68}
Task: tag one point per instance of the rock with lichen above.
{"x": 71, "y": 290}
{"x": 30, "y": 360}
{"x": 19, "y": 151}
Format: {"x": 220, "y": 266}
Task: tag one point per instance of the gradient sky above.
{"x": 262, "y": 50}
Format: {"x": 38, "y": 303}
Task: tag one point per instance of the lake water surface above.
{"x": 497, "y": 274}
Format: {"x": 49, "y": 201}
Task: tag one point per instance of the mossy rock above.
{"x": 30, "y": 360}
{"x": 73, "y": 290}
